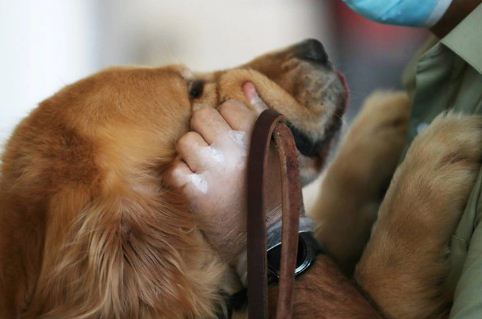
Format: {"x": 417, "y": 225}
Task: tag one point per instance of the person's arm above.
{"x": 209, "y": 161}
{"x": 457, "y": 11}
{"x": 467, "y": 302}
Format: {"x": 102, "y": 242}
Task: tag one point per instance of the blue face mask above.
{"x": 416, "y": 13}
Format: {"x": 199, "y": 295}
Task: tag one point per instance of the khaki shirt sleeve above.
{"x": 466, "y": 41}
{"x": 468, "y": 292}
{"x": 452, "y": 67}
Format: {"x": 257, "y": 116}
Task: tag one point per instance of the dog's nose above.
{"x": 311, "y": 50}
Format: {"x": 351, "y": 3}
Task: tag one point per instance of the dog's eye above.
{"x": 196, "y": 89}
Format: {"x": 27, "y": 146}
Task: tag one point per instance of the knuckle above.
{"x": 224, "y": 107}
{"x": 172, "y": 177}
{"x": 187, "y": 140}
{"x": 177, "y": 178}
{"x": 237, "y": 111}
{"x": 201, "y": 115}
{"x": 232, "y": 104}
{"x": 176, "y": 172}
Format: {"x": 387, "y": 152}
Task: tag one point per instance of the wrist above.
{"x": 274, "y": 231}
{"x": 273, "y": 222}
{"x": 273, "y": 245}
{"x": 308, "y": 249}
{"x": 240, "y": 261}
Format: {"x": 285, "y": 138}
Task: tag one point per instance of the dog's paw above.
{"x": 404, "y": 262}
{"x": 451, "y": 139}
{"x": 441, "y": 166}
{"x": 448, "y": 152}
{"x": 360, "y": 171}
{"x": 376, "y": 139}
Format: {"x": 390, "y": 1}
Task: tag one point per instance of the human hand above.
{"x": 414, "y": 13}
{"x": 211, "y": 172}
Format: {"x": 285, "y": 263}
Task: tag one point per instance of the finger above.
{"x": 238, "y": 115}
{"x": 176, "y": 176}
{"x": 209, "y": 123}
{"x": 191, "y": 184}
{"x": 254, "y": 99}
{"x": 190, "y": 148}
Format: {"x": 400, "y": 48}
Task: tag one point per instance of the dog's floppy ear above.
{"x": 126, "y": 254}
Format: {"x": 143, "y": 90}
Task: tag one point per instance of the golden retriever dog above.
{"x": 88, "y": 229}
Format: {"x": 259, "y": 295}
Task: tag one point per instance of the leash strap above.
{"x": 270, "y": 126}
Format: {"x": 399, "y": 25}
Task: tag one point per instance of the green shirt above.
{"x": 448, "y": 76}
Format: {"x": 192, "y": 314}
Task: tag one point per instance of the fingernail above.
{"x": 253, "y": 97}
{"x": 249, "y": 89}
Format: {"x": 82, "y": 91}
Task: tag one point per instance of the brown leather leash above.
{"x": 270, "y": 126}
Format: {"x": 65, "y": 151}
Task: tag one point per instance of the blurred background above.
{"x": 47, "y": 44}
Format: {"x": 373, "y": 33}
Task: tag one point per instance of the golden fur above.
{"x": 356, "y": 180}
{"x": 89, "y": 230}
{"x": 403, "y": 266}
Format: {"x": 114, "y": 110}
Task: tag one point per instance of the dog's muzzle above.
{"x": 306, "y": 145}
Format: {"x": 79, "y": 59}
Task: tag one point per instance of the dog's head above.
{"x": 81, "y": 190}
{"x": 301, "y": 83}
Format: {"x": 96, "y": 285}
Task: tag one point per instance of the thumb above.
{"x": 253, "y": 97}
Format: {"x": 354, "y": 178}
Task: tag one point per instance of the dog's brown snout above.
{"x": 311, "y": 50}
